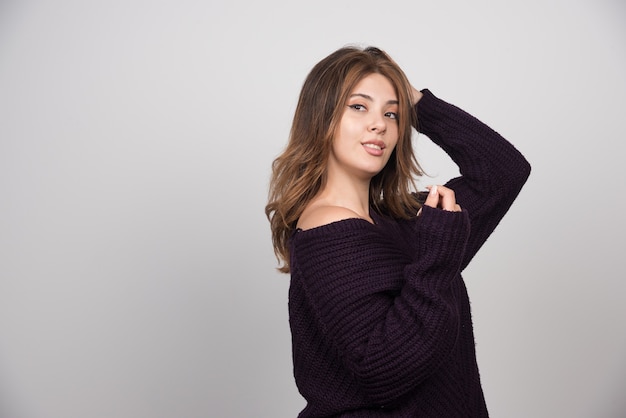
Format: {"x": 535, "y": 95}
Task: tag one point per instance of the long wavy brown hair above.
{"x": 299, "y": 173}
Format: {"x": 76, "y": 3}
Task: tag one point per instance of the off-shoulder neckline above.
{"x": 341, "y": 224}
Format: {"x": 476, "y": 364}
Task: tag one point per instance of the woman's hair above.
{"x": 299, "y": 173}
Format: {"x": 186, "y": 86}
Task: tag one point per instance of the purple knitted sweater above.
{"x": 379, "y": 314}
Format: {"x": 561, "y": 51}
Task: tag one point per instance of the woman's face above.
{"x": 368, "y": 131}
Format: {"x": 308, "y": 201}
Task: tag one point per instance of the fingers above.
{"x": 447, "y": 199}
{"x": 442, "y": 197}
{"x": 416, "y": 95}
{"x": 432, "y": 199}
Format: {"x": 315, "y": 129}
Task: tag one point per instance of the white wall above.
{"x": 136, "y": 270}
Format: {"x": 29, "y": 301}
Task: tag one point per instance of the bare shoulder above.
{"x": 320, "y": 215}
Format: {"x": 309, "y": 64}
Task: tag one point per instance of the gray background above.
{"x": 136, "y": 271}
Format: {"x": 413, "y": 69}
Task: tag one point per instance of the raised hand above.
{"x": 442, "y": 197}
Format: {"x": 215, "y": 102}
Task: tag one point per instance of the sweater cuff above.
{"x": 442, "y": 236}
{"x": 437, "y": 115}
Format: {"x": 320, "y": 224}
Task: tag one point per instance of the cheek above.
{"x": 348, "y": 129}
{"x": 393, "y": 143}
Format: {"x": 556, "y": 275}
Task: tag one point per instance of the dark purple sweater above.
{"x": 379, "y": 314}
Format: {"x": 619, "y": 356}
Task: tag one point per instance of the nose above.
{"x": 378, "y": 124}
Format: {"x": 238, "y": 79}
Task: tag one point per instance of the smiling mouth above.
{"x": 374, "y": 146}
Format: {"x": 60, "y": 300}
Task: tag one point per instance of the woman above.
{"x": 378, "y": 311}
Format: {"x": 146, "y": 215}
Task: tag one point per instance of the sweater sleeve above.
{"x": 350, "y": 274}
{"x": 492, "y": 170}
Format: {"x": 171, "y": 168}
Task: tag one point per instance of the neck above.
{"x": 347, "y": 192}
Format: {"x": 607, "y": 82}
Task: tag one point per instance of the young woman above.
{"x": 379, "y": 314}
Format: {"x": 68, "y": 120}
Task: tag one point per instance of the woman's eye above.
{"x": 358, "y": 107}
{"x": 392, "y": 115}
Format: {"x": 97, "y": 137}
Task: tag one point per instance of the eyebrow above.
{"x": 370, "y": 98}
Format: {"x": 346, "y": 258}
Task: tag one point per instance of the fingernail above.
{"x": 433, "y": 190}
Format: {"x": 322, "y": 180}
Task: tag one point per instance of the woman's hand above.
{"x": 416, "y": 95}
{"x": 442, "y": 197}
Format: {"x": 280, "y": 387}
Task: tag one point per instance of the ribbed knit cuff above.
{"x": 441, "y": 239}
{"x": 436, "y": 115}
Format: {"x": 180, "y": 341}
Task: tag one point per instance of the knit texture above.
{"x": 379, "y": 313}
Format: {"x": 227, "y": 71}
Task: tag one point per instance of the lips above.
{"x": 374, "y": 147}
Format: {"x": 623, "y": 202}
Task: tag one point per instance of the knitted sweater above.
{"x": 379, "y": 313}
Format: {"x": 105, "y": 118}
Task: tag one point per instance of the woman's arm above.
{"x": 492, "y": 170}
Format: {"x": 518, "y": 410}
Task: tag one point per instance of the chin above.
{"x": 374, "y": 171}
